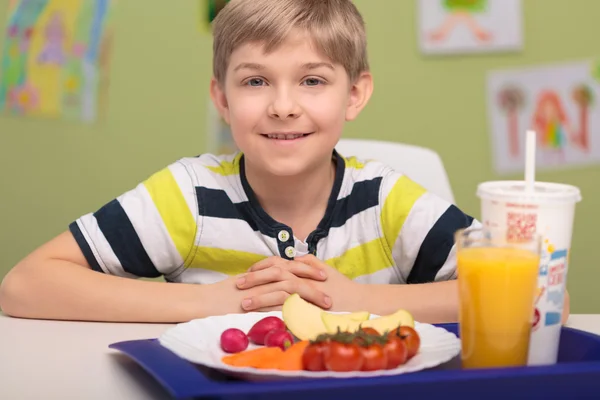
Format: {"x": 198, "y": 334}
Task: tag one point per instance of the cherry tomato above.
{"x": 359, "y": 340}
{"x": 410, "y": 337}
{"x": 374, "y": 357}
{"x": 370, "y": 331}
{"x": 396, "y": 352}
{"x": 342, "y": 357}
{"x": 312, "y": 357}
{"x": 363, "y": 334}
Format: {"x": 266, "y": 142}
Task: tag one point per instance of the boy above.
{"x": 287, "y": 214}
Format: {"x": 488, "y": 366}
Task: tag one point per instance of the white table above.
{"x": 71, "y": 360}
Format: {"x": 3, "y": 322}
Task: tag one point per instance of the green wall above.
{"x": 52, "y": 171}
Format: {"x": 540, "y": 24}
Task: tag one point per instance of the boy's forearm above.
{"x": 429, "y": 302}
{"x": 63, "y": 290}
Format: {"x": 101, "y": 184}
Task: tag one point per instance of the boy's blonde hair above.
{"x": 336, "y": 26}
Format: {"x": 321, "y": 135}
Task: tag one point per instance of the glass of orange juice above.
{"x": 497, "y": 282}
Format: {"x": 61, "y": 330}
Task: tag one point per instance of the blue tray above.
{"x": 575, "y": 376}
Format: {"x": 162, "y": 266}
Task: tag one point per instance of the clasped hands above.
{"x": 269, "y": 282}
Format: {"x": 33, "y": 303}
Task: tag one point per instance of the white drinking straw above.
{"x": 530, "y": 161}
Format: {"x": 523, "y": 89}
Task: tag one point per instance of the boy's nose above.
{"x": 284, "y": 106}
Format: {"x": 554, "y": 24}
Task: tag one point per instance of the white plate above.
{"x": 198, "y": 342}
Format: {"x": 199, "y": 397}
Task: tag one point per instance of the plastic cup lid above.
{"x": 544, "y": 192}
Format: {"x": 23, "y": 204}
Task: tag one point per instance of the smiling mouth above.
{"x": 285, "y": 136}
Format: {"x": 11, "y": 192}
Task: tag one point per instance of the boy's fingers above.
{"x": 266, "y": 300}
{"x": 307, "y": 291}
{"x": 262, "y": 277}
{"x": 311, "y": 260}
{"x": 268, "y": 309}
{"x": 266, "y": 263}
{"x": 274, "y": 295}
{"x": 303, "y": 270}
{"x": 300, "y": 269}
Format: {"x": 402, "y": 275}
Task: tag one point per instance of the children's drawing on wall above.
{"x": 219, "y": 136}
{"x": 208, "y": 12}
{"x": 468, "y": 26}
{"x": 56, "y": 58}
{"x": 557, "y": 101}
{"x": 510, "y": 100}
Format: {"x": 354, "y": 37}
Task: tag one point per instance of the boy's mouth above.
{"x": 286, "y": 136}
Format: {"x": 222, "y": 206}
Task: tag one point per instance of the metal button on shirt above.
{"x": 290, "y": 251}
{"x": 283, "y": 236}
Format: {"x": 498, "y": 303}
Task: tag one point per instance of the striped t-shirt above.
{"x": 198, "y": 221}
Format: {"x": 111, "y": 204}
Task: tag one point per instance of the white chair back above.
{"x": 422, "y": 165}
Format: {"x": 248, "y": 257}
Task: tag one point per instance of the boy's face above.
{"x": 287, "y": 109}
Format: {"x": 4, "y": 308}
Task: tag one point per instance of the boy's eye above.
{"x": 255, "y": 82}
{"x": 312, "y": 82}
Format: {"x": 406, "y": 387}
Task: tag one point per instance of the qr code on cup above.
{"x": 521, "y": 226}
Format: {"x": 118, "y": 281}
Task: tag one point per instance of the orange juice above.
{"x": 497, "y": 287}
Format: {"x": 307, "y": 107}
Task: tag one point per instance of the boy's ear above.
{"x": 217, "y": 95}
{"x": 360, "y": 93}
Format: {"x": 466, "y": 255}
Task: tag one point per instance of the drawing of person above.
{"x": 462, "y": 11}
{"x": 551, "y": 124}
{"x": 54, "y": 33}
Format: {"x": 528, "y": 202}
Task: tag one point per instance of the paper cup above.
{"x": 548, "y": 211}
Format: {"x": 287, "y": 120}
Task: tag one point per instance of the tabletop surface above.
{"x": 71, "y": 360}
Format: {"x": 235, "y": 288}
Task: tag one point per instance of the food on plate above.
{"x": 259, "y": 330}
{"x": 312, "y": 358}
{"x": 305, "y": 320}
{"x": 388, "y": 322}
{"x": 369, "y": 331}
{"x": 260, "y": 357}
{"x": 340, "y": 356}
{"x": 381, "y": 324}
{"x": 374, "y": 356}
{"x": 410, "y": 337}
{"x": 279, "y": 338}
{"x": 233, "y": 340}
{"x": 291, "y": 359}
{"x": 362, "y": 350}
{"x": 396, "y": 352}
{"x": 302, "y": 318}
{"x": 269, "y": 358}
{"x": 345, "y": 322}
{"x": 326, "y": 341}
{"x": 269, "y": 331}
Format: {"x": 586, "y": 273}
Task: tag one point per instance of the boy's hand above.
{"x": 274, "y": 279}
{"x": 300, "y": 269}
{"x": 308, "y": 276}
{"x": 346, "y": 293}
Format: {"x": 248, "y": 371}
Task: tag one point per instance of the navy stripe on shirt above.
{"x": 85, "y": 247}
{"x": 215, "y": 203}
{"x": 437, "y": 245}
{"x": 124, "y": 241}
{"x": 364, "y": 195}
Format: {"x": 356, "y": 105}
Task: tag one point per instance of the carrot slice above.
{"x": 291, "y": 359}
{"x": 252, "y": 358}
{"x": 270, "y": 361}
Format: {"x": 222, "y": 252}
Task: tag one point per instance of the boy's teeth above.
{"x": 285, "y": 137}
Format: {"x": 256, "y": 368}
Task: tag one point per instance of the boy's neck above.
{"x": 300, "y": 201}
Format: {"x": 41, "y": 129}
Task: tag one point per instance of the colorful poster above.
{"x": 56, "y": 57}
{"x": 208, "y": 12}
{"x": 220, "y": 140}
{"x": 558, "y": 101}
{"x": 469, "y": 26}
